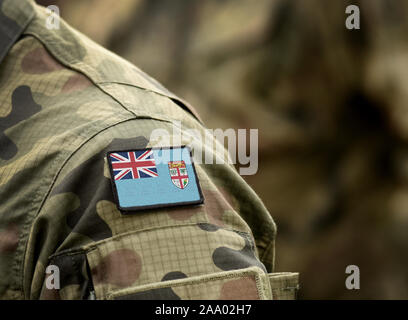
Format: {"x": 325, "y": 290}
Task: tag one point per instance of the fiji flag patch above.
{"x": 153, "y": 178}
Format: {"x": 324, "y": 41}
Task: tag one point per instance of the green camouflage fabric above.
{"x": 66, "y": 102}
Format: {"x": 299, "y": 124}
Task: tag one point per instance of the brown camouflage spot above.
{"x": 76, "y": 82}
{"x": 50, "y": 294}
{"x": 9, "y": 239}
{"x": 183, "y": 213}
{"x": 39, "y": 61}
{"x": 240, "y": 289}
{"x": 121, "y": 268}
{"x": 215, "y": 206}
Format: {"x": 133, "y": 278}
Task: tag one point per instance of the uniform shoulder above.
{"x": 103, "y": 67}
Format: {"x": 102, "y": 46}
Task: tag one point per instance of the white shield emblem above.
{"x": 178, "y": 173}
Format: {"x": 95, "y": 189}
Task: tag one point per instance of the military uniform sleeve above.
{"x": 205, "y": 251}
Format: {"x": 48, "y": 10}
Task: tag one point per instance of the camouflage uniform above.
{"x": 66, "y": 102}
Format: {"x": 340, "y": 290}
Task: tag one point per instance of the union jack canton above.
{"x": 133, "y": 165}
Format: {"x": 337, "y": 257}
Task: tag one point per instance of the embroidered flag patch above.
{"x": 153, "y": 178}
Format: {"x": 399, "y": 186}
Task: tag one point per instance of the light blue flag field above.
{"x": 153, "y": 178}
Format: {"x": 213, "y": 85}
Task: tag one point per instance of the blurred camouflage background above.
{"x": 331, "y": 106}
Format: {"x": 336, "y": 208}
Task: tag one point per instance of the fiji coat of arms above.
{"x": 178, "y": 173}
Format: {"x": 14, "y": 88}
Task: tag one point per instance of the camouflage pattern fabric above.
{"x": 66, "y": 102}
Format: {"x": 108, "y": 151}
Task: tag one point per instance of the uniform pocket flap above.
{"x": 244, "y": 284}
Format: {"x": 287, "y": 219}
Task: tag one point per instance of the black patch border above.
{"x": 129, "y": 210}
